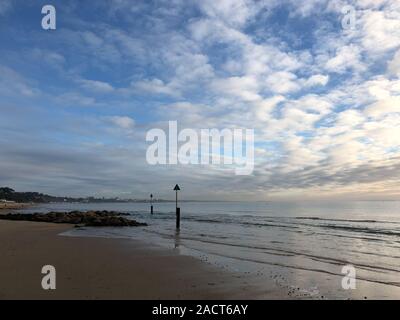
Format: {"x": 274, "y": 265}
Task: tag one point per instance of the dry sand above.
{"x": 13, "y": 205}
{"x": 99, "y": 268}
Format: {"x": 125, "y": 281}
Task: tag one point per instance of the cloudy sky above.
{"x": 324, "y": 101}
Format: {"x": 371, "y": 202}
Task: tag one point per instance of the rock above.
{"x": 89, "y": 218}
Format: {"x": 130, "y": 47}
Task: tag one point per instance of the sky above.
{"x": 323, "y": 98}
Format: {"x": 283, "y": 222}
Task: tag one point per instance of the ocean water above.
{"x": 302, "y": 246}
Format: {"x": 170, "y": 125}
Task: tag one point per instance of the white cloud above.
{"x": 282, "y": 82}
{"x": 349, "y": 118}
{"x": 73, "y": 99}
{"x": 384, "y": 107}
{"x": 123, "y": 122}
{"x": 155, "y": 86}
{"x": 384, "y": 133}
{"x": 380, "y": 31}
{"x": 13, "y": 83}
{"x": 92, "y": 39}
{"x": 232, "y": 12}
{"x": 317, "y": 80}
{"x": 347, "y": 57}
{"x": 393, "y": 67}
{"x": 96, "y": 86}
{"x": 51, "y": 58}
{"x": 245, "y": 88}
{"x": 307, "y": 8}
{"x": 264, "y": 108}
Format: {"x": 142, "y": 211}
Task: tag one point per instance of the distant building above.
{"x": 6, "y": 201}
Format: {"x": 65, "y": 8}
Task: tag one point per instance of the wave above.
{"x": 290, "y": 223}
{"x": 348, "y": 220}
{"x": 361, "y": 229}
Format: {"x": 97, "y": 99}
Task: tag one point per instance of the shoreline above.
{"x": 103, "y": 268}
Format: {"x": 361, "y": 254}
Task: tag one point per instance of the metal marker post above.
{"x": 178, "y": 210}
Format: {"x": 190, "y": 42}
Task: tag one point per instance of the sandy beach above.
{"x": 13, "y": 205}
{"x": 98, "y": 268}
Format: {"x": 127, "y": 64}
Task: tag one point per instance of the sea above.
{"x": 324, "y": 250}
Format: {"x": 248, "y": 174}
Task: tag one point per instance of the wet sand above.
{"x": 99, "y": 268}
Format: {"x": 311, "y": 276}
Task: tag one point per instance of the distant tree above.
{"x": 6, "y": 192}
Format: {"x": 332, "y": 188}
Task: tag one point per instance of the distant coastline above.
{"x": 9, "y": 194}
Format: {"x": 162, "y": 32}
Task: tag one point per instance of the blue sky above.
{"x": 76, "y": 102}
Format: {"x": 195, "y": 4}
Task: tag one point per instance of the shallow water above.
{"x": 302, "y": 246}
